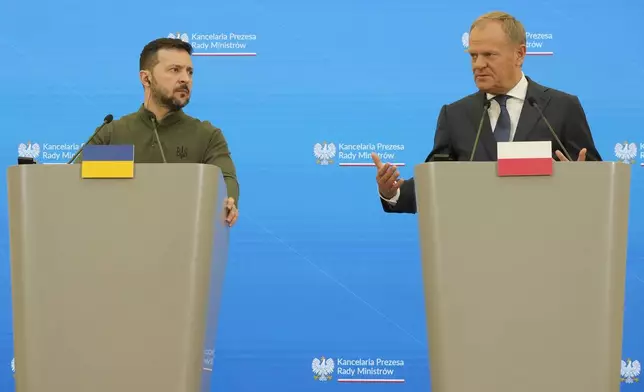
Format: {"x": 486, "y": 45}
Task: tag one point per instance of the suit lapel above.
{"x": 530, "y": 116}
{"x": 487, "y": 138}
{"x": 527, "y": 119}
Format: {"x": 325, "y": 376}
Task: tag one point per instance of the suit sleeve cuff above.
{"x": 394, "y": 199}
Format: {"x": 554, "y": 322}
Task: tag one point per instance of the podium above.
{"x": 523, "y": 276}
{"x": 116, "y": 283}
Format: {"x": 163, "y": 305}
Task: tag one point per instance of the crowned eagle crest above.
{"x": 29, "y": 150}
{"x": 324, "y": 152}
{"x": 182, "y": 36}
{"x": 626, "y": 152}
{"x": 630, "y": 371}
{"x": 323, "y": 368}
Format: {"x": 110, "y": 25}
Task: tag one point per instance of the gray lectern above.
{"x": 116, "y": 282}
{"x": 524, "y": 276}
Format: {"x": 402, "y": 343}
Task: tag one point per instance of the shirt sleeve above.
{"x": 218, "y": 154}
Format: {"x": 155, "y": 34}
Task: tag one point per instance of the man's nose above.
{"x": 184, "y": 77}
{"x": 479, "y": 62}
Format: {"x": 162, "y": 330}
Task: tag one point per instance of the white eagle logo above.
{"x": 184, "y": 37}
{"x": 13, "y": 365}
{"x": 324, "y": 153}
{"x": 626, "y": 152}
{"x": 323, "y": 368}
{"x": 465, "y": 40}
{"x": 630, "y": 371}
{"x": 29, "y": 150}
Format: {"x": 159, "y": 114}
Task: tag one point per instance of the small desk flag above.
{"x": 524, "y": 159}
{"x": 108, "y": 161}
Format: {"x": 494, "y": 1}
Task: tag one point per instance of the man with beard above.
{"x": 166, "y": 74}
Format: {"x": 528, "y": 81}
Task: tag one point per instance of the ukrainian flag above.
{"x": 108, "y": 161}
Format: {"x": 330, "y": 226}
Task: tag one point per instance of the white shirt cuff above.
{"x": 394, "y": 199}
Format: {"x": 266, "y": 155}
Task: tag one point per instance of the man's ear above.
{"x": 144, "y": 76}
{"x": 521, "y": 53}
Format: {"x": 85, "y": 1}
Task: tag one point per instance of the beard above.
{"x": 166, "y": 98}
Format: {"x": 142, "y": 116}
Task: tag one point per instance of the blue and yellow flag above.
{"x": 108, "y": 161}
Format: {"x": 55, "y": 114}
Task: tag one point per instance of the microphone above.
{"x": 156, "y": 135}
{"x": 486, "y": 106}
{"x": 108, "y": 119}
{"x": 533, "y": 103}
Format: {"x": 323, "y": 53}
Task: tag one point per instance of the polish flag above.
{"x": 524, "y": 159}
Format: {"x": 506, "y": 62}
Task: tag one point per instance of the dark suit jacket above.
{"x": 458, "y": 123}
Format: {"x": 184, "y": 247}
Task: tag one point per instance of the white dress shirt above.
{"x": 514, "y": 104}
{"x": 516, "y": 96}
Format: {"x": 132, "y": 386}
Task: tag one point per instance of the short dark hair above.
{"x": 149, "y": 56}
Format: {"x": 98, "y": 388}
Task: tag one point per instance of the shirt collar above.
{"x": 519, "y": 91}
{"x": 171, "y": 118}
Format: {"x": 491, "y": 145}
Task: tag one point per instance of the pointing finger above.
{"x": 376, "y": 160}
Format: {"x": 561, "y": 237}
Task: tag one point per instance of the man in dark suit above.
{"x": 497, "y": 46}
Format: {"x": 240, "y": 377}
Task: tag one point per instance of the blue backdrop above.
{"x": 316, "y": 268}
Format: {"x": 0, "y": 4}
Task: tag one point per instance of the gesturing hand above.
{"x": 232, "y": 212}
{"x": 562, "y": 157}
{"x": 387, "y": 177}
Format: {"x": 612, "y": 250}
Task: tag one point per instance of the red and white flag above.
{"x": 524, "y": 159}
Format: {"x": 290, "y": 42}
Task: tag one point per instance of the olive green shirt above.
{"x": 185, "y": 139}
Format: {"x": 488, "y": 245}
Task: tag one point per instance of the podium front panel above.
{"x": 116, "y": 282}
{"x": 524, "y": 276}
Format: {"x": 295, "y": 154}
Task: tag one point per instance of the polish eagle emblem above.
{"x": 630, "y": 371}
{"x": 324, "y": 153}
{"x": 465, "y": 40}
{"x": 323, "y": 368}
{"x": 29, "y": 150}
{"x": 182, "y": 36}
{"x": 626, "y": 152}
